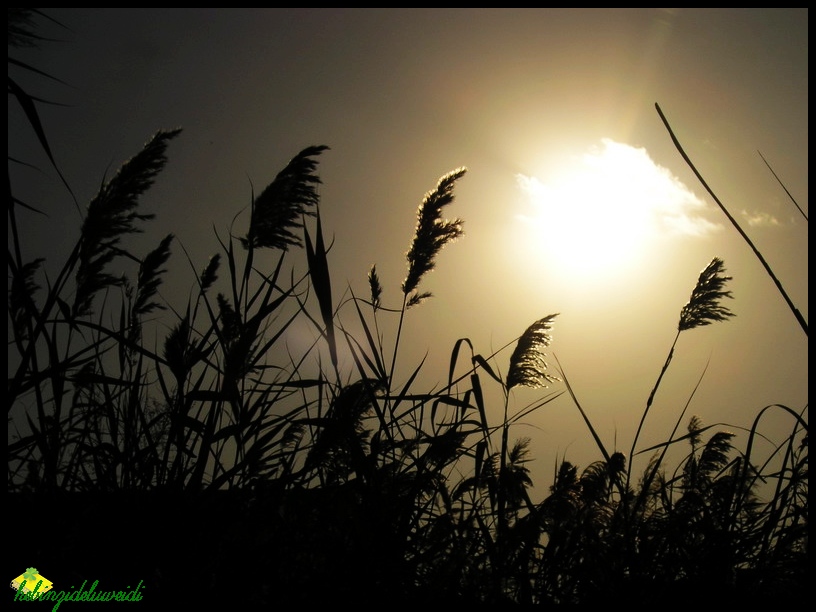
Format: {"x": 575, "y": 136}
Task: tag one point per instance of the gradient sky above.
{"x": 539, "y": 105}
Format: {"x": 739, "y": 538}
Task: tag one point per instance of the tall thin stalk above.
{"x": 781, "y": 184}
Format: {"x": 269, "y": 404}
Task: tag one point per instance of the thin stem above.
{"x": 649, "y": 405}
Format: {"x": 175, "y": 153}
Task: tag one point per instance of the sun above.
{"x": 600, "y": 217}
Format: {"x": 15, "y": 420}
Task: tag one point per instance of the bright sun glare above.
{"x": 599, "y": 218}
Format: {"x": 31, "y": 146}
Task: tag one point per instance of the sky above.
{"x": 575, "y": 199}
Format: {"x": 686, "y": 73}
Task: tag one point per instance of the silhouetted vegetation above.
{"x": 252, "y": 474}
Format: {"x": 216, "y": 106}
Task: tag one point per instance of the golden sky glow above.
{"x": 576, "y": 201}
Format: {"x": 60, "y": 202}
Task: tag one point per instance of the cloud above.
{"x": 618, "y": 185}
{"x": 760, "y": 219}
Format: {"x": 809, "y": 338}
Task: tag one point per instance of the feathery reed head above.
{"x": 178, "y": 350}
{"x": 432, "y": 231}
{"x": 112, "y": 214}
{"x": 281, "y": 206}
{"x": 376, "y": 288}
{"x": 695, "y": 427}
{"x": 210, "y": 273}
{"x": 417, "y": 298}
{"x": 527, "y": 365}
{"x": 704, "y": 308}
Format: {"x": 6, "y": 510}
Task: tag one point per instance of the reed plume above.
{"x": 149, "y": 279}
{"x": 111, "y": 215}
{"x": 375, "y": 286}
{"x": 704, "y": 307}
{"x": 148, "y": 283}
{"x": 527, "y": 365}
{"x": 282, "y": 205}
{"x": 432, "y": 232}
